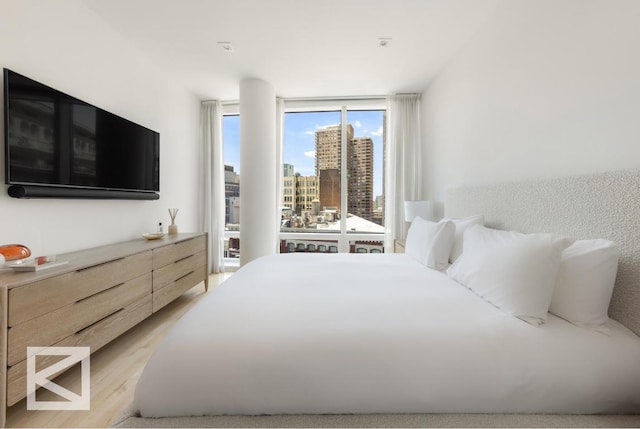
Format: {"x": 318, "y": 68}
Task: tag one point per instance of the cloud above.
{"x": 378, "y": 132}
{"x": 310, "y": 133}
{"x": 357, "y": 124}
{"x": 310, "y": 153}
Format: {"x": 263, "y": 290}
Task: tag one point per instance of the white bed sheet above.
{"x": 345, "y": 333}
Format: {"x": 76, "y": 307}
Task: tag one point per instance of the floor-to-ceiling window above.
{"x": 333, "y": 180}
{"x": 231, "y": 142}
{"x": 332, "y": 184}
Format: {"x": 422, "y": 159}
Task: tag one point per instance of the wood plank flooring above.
{"x": 115, "y": 369}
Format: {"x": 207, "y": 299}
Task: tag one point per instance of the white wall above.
{"x": 546, "y": 88}
{"x": 65, "y": 45}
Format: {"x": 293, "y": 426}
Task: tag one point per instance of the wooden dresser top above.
{"x": 90, "y": 257}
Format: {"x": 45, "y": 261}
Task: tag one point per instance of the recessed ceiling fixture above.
{"x": 226, "y": 46}
{"x": 384, "y": 42}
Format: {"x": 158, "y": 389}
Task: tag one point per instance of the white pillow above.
{"x": 461, "y": 226}
{"x": 430, "y": 242}
{"x": 585, "y": 283}
{"x": 515, "y": 272}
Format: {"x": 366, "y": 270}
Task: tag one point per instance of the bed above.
{"x": 381, "y": 334}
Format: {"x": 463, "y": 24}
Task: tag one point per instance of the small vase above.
{"x": 173, "y": 229}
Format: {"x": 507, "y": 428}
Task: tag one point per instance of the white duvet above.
{"x": 345, "y": 333}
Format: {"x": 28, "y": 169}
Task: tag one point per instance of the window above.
{"x": 308, "y": 137}
{"x": 334, "y": 165}
{"x": 365, "y": 175}
{"x": 231, "y": 143}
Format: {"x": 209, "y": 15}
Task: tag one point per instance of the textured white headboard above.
{"x": 605, "y": 205}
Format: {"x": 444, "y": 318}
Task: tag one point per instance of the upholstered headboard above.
{"x": 604, "y": 205}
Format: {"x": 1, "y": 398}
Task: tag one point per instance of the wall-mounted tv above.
{"x": 57, "y": 146}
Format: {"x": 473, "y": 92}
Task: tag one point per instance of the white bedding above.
{"x": 344, "y": 333}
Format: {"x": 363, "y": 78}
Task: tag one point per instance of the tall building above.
{"x": 360, "y": 178}
{"x": 359, "y": 170}
{"x": 328, "y": 163}
{"x": 328, "y": 146}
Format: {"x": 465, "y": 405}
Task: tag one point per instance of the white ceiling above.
{"x": 304, "y": 48}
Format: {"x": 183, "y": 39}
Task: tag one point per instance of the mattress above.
{"x": 345, "y": 333}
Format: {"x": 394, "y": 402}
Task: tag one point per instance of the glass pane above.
{"x": 365, "y": 171}
{"x": 231, "y": 142}
{"x": 311, "y": 180}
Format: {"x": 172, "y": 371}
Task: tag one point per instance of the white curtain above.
{"x": 403, "y": 162}
{"x": 213, "y": 195}
{"x": 279, "y": 165}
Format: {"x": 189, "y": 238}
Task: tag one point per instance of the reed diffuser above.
{"x": 173, "y": 228}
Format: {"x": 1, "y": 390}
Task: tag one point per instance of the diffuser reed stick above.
{"x": 173, "y": 228}
{"x": 172, "y": 214}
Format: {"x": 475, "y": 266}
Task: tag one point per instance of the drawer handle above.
{"x": 188, "y": 274}
{"x": 103, "y": 263}
{"x": 98, "y": 321}
{"x": 182, "y": 259}
{"x": 98, "y": 293}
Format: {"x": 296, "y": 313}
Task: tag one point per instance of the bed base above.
{"x": 388, "y": 421}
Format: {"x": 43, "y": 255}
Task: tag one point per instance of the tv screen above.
{"x": 56, "y": 141}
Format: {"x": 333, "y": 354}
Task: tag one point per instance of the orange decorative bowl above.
{"x": 11, "y": 252}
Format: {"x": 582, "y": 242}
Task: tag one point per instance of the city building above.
{"x": 360, "y": 178}
{"x": 359, "y": 169}
{"x": 307, "y": 190}
{"x": 288, "y": 192}
{"x": 231, "y": 189}
{"x": 328, "y": 146}
{"x": 287, "y": 170}
{"x": 299, "y": 192}
{"x": 234, "y": 213}
{"x": 330, "y": 188}
{"x": 328, "y": 163}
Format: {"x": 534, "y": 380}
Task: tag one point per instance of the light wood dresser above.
{"x": 97, "y": 296}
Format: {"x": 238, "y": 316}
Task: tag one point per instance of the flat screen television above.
{"x": 57, "y": 146}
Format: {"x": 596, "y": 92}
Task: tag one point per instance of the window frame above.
{"x": 342, "y": 105}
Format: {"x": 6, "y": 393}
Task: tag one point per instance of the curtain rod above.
{"x": 341, "y": 98}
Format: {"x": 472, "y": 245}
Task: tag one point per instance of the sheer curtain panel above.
{"x": 213, "y": 194}
{"x": 404, "y": 162}
{"x": 279, "y": 165}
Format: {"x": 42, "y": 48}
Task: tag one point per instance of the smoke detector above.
{"x": 226, "y": 46}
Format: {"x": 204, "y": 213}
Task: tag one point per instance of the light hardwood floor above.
{"x": 115, "y": 369}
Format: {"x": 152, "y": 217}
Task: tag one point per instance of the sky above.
{"x": 299, "y": 139}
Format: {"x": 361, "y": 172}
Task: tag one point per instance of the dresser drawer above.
{"x": 41, "y": 297}
{"x": 167, "y": 294}
{"x": 172, "y": 272}
{"x": 171, "y": 253}
{"x": 50, "y": 328}
{"x": 94, "y": 336}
